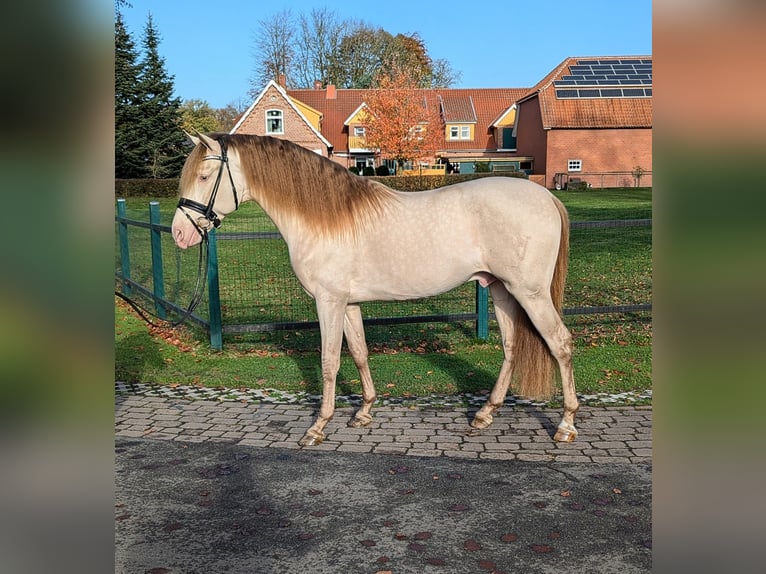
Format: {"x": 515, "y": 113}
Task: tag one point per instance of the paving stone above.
{"x": 534, "y": 457}
{"x": 642, "y": 452}
{"x": 354, "y": 447}
{"x": 607, "y": 434}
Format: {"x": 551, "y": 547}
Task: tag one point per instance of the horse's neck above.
{"x": 286, "y": 224}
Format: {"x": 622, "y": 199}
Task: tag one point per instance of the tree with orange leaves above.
{"x": 402, "y": 121}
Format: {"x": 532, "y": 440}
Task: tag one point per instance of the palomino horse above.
{"x": 352, "y": 239}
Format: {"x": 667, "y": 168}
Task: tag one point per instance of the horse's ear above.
{"x": 192, "y": 139}
{"x": 209, "y": 143}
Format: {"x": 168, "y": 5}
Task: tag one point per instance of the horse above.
{"x": 351, "y": 239}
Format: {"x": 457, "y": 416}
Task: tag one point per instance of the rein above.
{"x": 210, "y": 218}
{"x": 199, "y": 291}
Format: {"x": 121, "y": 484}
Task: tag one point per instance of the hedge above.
{"x": 146, "y": 187}
{"x": 169, "y": 187}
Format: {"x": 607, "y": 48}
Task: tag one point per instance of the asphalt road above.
{"x": 221, "y": 507}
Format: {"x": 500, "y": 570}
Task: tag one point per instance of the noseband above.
{"x": 206, "y": 211}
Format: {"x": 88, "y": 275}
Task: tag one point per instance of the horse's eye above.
{"x": 204, "y": 177}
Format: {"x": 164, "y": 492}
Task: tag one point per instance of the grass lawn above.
{"x": 612, "y": 352}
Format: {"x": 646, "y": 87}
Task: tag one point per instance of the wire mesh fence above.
{"x": 610, "y": 271}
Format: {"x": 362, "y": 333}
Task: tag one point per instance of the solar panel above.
{"x": 610, "y": 72}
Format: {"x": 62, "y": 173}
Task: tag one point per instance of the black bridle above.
{"x": 206, "y": 211}
{"x": 211, "y": 218}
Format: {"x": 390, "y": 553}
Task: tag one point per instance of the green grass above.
{"x": 607, "y": 267}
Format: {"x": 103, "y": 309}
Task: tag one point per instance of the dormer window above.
{"x": 275, "y": 122}
{"x": 460, "y": 132}
{"x": 359, "y": 131}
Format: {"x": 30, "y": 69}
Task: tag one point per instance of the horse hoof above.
{"x": 565, "y": 433}
{"x": 481, "y": 422}
{"x": 359, "y": 422}
{"x": 311, "y": 439}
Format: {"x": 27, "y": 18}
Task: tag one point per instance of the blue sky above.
{"x": 208, "y": 46}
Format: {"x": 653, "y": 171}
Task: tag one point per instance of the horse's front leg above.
{"x": 357, "y": 346}
{"x": 331, "y": 312}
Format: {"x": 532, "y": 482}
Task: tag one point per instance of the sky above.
{"x": 208, "y": 46}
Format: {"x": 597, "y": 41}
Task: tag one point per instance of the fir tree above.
{"x": 129, "y": 155}
{"x": 160, "y": 111}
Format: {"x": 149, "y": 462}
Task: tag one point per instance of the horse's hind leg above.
{"x": 357, "y": 346}
{"x": 548, "y": 322}
{"x": 505, "y": 311}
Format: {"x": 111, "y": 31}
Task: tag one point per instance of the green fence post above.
{"x": 158, "y": 276}
{"x": 214, "y": 298}
{"x": 122, "y": 232}
{"x": 482, "y": 311}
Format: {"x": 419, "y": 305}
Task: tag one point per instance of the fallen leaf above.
{"x": 471, "y": 545}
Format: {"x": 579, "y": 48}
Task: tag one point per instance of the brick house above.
{"x": 589, "y": 119}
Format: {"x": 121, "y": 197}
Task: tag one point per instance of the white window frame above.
{"x": 359, "y": 131}
{"x": 459, "y": 132}
{"x": 574, "y": 165}
{"x": 272, "y": 115}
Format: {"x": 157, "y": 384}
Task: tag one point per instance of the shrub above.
{"x": 481, "y": 167}
{"x": 368, "y": 170}
{"x": 354, "y": 169}
{"x": 577, "y": 185}
{"x": 146, "y": 187}
{"x": 382, "y": 170}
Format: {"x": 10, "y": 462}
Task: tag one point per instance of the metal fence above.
{"x": 251, "y": 287}
{"x": 602, "y": 179}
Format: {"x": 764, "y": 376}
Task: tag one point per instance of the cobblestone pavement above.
{"x": 607, "y": 434}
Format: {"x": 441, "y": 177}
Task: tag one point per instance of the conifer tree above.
{"x": 160, "y": 119}
{"x": 129, "y": 155}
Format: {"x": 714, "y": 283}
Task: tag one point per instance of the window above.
{"x": 359, "y": 131}
{"x": 574, "y": 165}
{"x": 460, "y": 132}
{"x": 274, "y": 122}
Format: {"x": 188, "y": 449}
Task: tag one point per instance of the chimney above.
{"x": 331, "y": 91}
{"x": 282, "y": 80}
{"x": 317, "y": 85}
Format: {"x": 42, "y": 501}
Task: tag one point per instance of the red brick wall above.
{"x": 530, "y": 136}
{"x": 601, "y": 150}
{"x": 296, "y": 129}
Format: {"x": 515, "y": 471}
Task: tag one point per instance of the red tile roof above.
{"x": 585, "y": 112}
{"x": 334, "y": 111}
{"x": 457, "y": 108}
{"x": 485, "y": 105}
{"x": 480, "y": 105}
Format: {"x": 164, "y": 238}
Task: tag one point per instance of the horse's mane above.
{"x": 323, "y": 195}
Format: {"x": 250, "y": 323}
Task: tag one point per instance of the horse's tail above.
{"x": 534, "y": 366}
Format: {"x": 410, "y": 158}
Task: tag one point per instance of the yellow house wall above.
{"x": 311, "y": 114}
{"x": 508, "y": 120}
{"x": 356, "y": 142}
